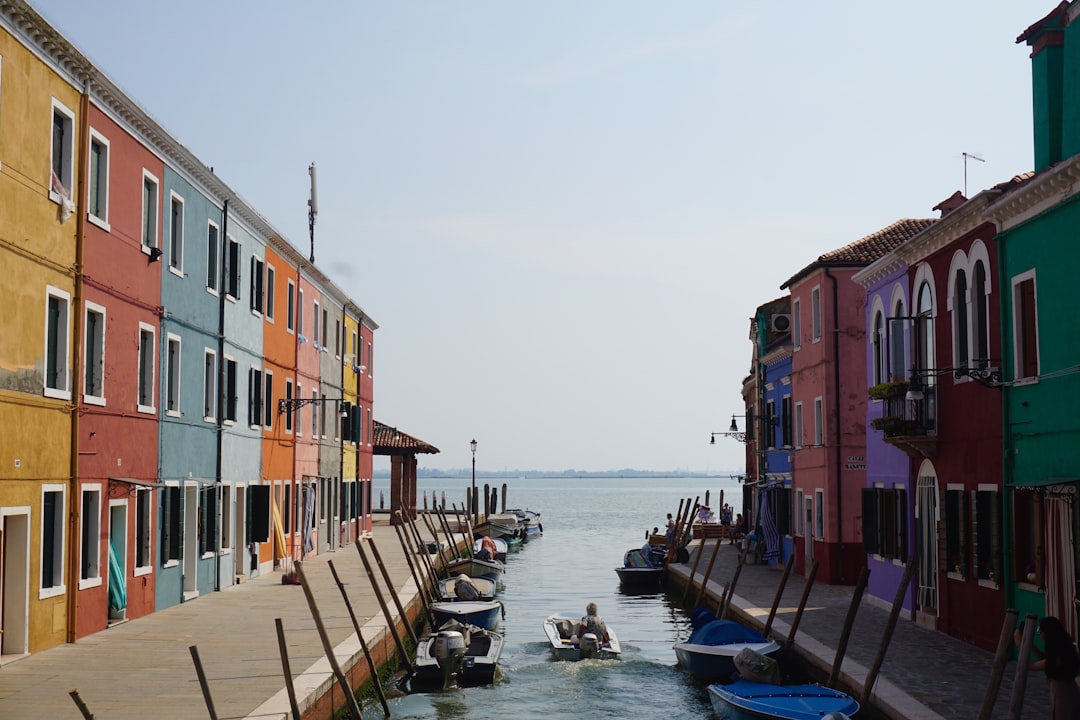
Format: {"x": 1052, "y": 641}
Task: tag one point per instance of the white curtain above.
{"x": 1060, "y": 577}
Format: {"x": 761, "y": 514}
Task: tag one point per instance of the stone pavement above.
{"x": 925, "y": 674}
{"x": 143, "y": 668}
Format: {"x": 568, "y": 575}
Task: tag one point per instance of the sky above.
{"x": 562, "y": 214}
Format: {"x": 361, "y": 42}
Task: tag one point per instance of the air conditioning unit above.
{"x": 780, "y": 323}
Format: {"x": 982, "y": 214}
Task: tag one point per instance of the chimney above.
{"x": 1047, "y": 41}
{"x": 950, "y": 203}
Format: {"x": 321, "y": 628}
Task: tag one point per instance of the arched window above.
{"x": 879, "y": 349}
{"x": 898, "y": 363}
{"x": 924, "y": 326}
{"x": 960, "y": 319}
{"x": 980, "y": 318}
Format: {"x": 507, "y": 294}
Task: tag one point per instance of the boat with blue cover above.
{"x": 749, "y": 700}
{"x": 709, "y": 653}
{"x": 481, "y": 613}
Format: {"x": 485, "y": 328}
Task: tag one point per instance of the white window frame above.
{"x": 176, "y": 248}
{"x": 145, "y": 543}
{"x": 288, "y": 414}
{"x": 1018, "y": 350}
{"x": 173, "y": 375}
{"x": 315, "y": 338}
{"x": 90, "y": 537}
{"x": 257, "y": 301}
{"x": 819, "y": 514}
{"x": 315, "y": 429}
{"x": 337, "y": 338}
{"x": 59, "y": 540}
{"x": 290, "y": 310}
{"x": 255, "y": 397}
{"x": 798, "y": 425}
{"x": 210, "y": 382}
{"x": 62, "y": 359}
{"x": 298, "y": 421}
{"x": 819, "y": 422}
{"x": 231, "y": 258}
{"x": 268, "y": 398}
{"x": 268, "y": 289}
{"x": 300, "y": 314}
{"x": 146, "y": 376}
{"x": 228, "y": 412}
{"x": 213, "y": 264}
{"x": 815, "y": 314}
{"x": 154, "y": 239}
{"x": 102, "y": 220}
{"x": 799, "y": 512}
{"x": 67, "y": 159}
{"x": 796, "y": 324}
{"x": 95, "y": 309}
{"x": 227, "y": 501}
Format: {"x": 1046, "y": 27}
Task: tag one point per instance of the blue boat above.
{"x": 709, "y": 653}
{"x": 481, "y": 613}
{"x": 532, "y": 527}
{"x": 748, "y": 700}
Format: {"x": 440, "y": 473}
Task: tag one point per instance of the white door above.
{"x": 15, "y": 580}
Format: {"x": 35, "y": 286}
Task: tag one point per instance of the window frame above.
{"x": 210, "y": 385}
{"x": 144, "y": 531}
{"x": 796, "y": 323}
{"x": 819, "y": 422}
{"x": 1025, "y": 351}
{"x": 268, "y": 305}
{"x": 98, "y": 184}
{"x": 288, "y": 415}
{"x": 213, "y": 257}
{"x": 150, "y": 236}
{"x": 90, "y": 537}
{"x": 57, "y": 542}
{"x": 171, "y": 525}
{"x": 290, "y": 301}
{"x": 145, "y": 378}
{"x": 176, "y": 247}
{"x": 57, "y": 360}
{"x": 799, "y": 429}
{"x": 97, "y": 362}
{"x": 234, "y": 274}
{"x": 258, "y": 287}
{"x": 66, "y": 162}
{"x": 173, "y": 375}
{"x": 228, "y": 393}
{"x": 819, "y": 514}
{"x": 815, "y": 314}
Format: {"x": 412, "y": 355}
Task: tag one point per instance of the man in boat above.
{"x": 593, "y": 623}
{"x": 487, "y": 548}
{"x": 464, "y": 588}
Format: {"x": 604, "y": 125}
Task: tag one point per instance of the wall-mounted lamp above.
{"x": 732, "y": 431}
{"x": 987, "y": 377}
{"x": 289, "y": 404}
{"x": 155, "y": 255}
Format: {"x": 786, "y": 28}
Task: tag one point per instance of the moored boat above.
{"x": 530, "y": 523}
{"x": 504, "y": 526}
{"x": 500, "y": 549}
{"x": 458, "y": 654}
{"x": 566, "y": 645}
{"x": 481, "y": 613}
{"x": 709, "y": 653}
{"x": 642, "y": 566}
{"x": 476, "y": 568}
{"x": 749, "y": 700}
{"x": 484, "y": 586}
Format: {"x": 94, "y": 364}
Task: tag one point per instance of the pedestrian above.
{"x": 739, "y": 530}
{"x": 670, "y": 533}
{"x": 593, "y": 623}
{"x": 1059, "y": 660}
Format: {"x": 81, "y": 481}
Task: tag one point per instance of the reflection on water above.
{"x": 588, "y": 525}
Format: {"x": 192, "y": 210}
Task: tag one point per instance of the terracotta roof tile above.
{"x": 389, "y": 440}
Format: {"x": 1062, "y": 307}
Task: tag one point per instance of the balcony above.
{"x": 907, "y": 424}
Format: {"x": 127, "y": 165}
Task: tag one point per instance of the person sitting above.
{"x": 739, "y": 531}
{"x": 487, "y": 549}
{"x": 593, "y": 623}
{"x": 464, "y": 588}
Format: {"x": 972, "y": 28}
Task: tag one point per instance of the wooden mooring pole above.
{"x": 734, "y": 582}
{"x": 708, "y": 572}
{"x": 374, "y": 671}
{"x": 204, "y": 684}
{"x": 849, "y": 622}
{"x": 420, "y": 588}
{"x": 1023, "y": 660}
{"x": 779, "y": 593}
{"x": 328, "y": 649}
{"x": 283, "y": 651}
{"x": 87, "y": 715}
{"x": 693, "y": 568}
{"x": 390, "y": 587}
{"x": 886, "y": 636}
{"x": 390, "y": 623}
{"x": 790, "y": 642}
{"x": 998, "y": 667}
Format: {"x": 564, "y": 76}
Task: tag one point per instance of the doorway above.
{"x": 117, "y": 561}
{"x": 926, "y": 522}
{"x": 191, "y": 541}
{"x": 14, "y": 581}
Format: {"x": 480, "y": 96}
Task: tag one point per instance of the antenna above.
{"x": 313, "y": 209}
{"x": 966, "y": 155}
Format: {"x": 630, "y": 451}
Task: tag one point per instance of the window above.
{"x": 269, "y": 309}
{"x": 815, "y": 314}
{"x": 226, "y": 516}
{"x": 819, "y": 514}
{"x": 819, "y": 423}
{"x": 288, "y": 397}
{"x": 208, "y": 526}
{"x": 94, "y": 370}
{"x": 62, "y": 156}
{"x": 315, "y": 324}
{"x": 980, "y": 317}
{"x": 300, "y": 315}
{"x": 897, "y": 344}
{"x": 352, "y": 349}
{"x": 1025, "y": 327}
{"x": 258, "y": 268}
{"x": 97, "y": 190}
{"x": 785, "y": 421}
{"x": 172, "y": 376}
{"x": 290, "y": 303}
{"x": 171, "y": 529}
{"x": 255, "y": 397}
{"x": 212, "y": 247}
{"x": 798, "y": 425}
{"x": 57, "y": 332}
{"x": 986, "y": 534}
{"x": 143, "y": 508}
{"x": 798, "y": 506}
{"x": 150, "y": 211}
{"x": 53, "y": 512}
{"x": 90, "y": 537}
{"x": 299, "y": 419}
{"x": 960, "y": 319}
{"x": 1028, "y": 532}
{"x": 286, "y": 509}
{"x": 230, "y": 396}
{"x": 176, "y": 232}
{"x": 268, "y": 398}
{"x": 232, "y": 268}
{"x": 924, "y": 328}
{"x": 146, "y": 368}
{"x": 878, "y": 345}
{"x": 209, "y": 385}
{"x": 770, "y": 424}
{"x": 884, "y": 522}
{"x": 314, "y": 413}
{"x": 370, "y": 359}
{"x": 956, "y": 550}
{"x": 337, "y": 338}
{"x": 796, "y": 324}
{"x": 325, "y": 330}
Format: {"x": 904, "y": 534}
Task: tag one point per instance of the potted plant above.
{"x": 887, "y": 390}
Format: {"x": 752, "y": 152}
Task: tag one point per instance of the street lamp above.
{"x": 474, "y": 504}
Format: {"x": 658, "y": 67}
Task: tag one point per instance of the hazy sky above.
{"x": 563, "y": 214}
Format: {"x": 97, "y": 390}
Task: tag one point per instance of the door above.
{"x": 926, "y": 521}
{"x": 191, "y": 541}
{"x": 117, "y": 560}
{"x": 14, "y": 581}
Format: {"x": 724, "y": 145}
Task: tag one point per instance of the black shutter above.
{"x": 172, "y": 523}
{"x": 901, "y": 524}
{"x": 783, "y": 510}
{"x": 259, "y": 518}
{"x": 869, "y": 520}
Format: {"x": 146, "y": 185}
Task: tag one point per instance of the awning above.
{"x": 136, "y": 481}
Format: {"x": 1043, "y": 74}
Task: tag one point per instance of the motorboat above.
{"x": 476, "y": 568}
{"x": 642, "y": 567}
{"x": 501, "y": 526}
{"x": 457, "y": 654}
{"x": 750, "y": 700}
{"x": 566, "y": 645}
{"x": 486, "y": 587}
{"x": 500, "y": 548}
{"x": 530, "y": 522}
{"x": 481, "y": 613}
{"x": 710, "y": 651}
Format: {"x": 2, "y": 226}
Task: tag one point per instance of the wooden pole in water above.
{"x": 779, "y": 593}
{"x": 465, "y": 527}
{"x": 685, "y": 527}
{"x": 360, "y": 635}
{"x": 421, "y": 549}
{"x": 708, "y": 572}
{"x": 504, "y": 498}
{"x": 720, "y": 601}
{"x": 390, "y": 623}
{"x": 328, "y": 649}
{"x": 693, "y": 568}
{"x": 424, "y": 598}
{"x": 849, "y": 622}
{"x": 890, "y": 625}
{"x": 390, "y": 587}
{"x": 1023, "y": 660}
{"x": 202, "y": 681}
{"x": 81, "y": 705}
{"x": 445, "y": 527}
{"x": 734, "y": 582}
{"x": 998, "y": 668}
{"x": 283, "y": 651}
{"x": 790, "y": 642}
{"x": 438, "y": 543}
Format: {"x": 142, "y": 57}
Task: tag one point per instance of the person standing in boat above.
{"x": 1060, "y": 661}
{"x": 593, "y": 623}
{"x": 670, "y": 534}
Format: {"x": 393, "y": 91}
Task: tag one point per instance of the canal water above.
{"x": 588, "y": 525}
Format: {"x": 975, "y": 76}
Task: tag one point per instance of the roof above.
{"x": 389, "y": 440}
{"x": 867, "y": 249}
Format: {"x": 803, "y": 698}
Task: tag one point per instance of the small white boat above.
{"x": 566, "y": 645}
{"x": 457, "y": 654}
{"x": 475, "y": 567}
{"x": 500, "y": 548}
{"x": 485, "y": 586}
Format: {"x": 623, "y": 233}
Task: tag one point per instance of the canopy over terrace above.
{"x": 402, "y": 449}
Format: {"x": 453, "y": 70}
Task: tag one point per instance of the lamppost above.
{"x": 474, "y": 503}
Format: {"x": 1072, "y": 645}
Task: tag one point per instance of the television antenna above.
{"x": 973, "y": 156}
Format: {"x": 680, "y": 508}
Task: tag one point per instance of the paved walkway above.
{"x": 143, "y": 668}
{"x": 925, "y": 675}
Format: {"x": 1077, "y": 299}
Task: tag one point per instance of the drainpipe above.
{"x": 74, "y": 501}
{"x": 221, "y": 394}
{"x": 839, "y": 450}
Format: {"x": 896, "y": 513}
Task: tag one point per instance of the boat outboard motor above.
{"x": 588, "y": 645}
{"x": 448, "y": 651}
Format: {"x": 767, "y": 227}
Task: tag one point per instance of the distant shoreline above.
{"x": 551, "y": 475}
